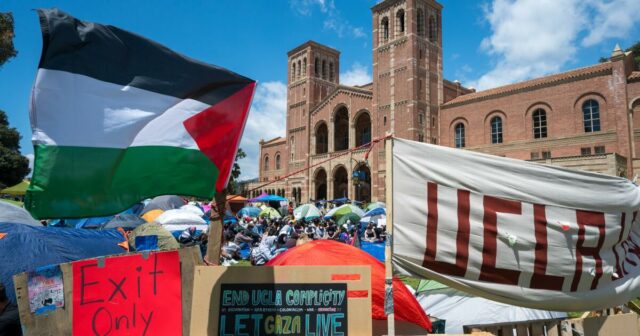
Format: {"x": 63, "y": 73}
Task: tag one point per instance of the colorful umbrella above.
{"x": 269, "y": 212}
{"x": 375, "y": 205}
{"x": 329, "y": 253}
{"x": 307, "y": 212}
{"x": 343, "y": 210}
{"x": 249, "y": 211}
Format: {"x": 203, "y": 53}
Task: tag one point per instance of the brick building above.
{"x": 581, "y": 118}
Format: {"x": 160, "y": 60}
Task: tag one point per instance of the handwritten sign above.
{"x": 283, "y": 309}
{"x": 128, "y": 295}
{"x": 46, "y": 289}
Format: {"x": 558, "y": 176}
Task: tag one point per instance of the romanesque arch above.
{"x": 320, "y": 184}
{"x": 340, "y": 182}
{"x": 363, "y": 188}
{"x": 341, "y": 129}
{"x": 363, "y": 128}
{"x": 322, "y": 138}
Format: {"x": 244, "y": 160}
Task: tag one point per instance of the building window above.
{"x": 304, "y": 67}
{"x": 585, "y": 151}
{"x": 420, "y": 19}
{"x": 434, "y": 141}
{"x": 299, "y": 69}
{"x": 420, "y": 137}
{"x": 292, "y": 147}
{"x": 266, "y": 163}
{"x": 293, "y": 72}
{"x": 591, "y": 113}
{"x": 324, "y": 69}
{"x": 384, "y": 29}
{"x": 400, "y": 22}
{"x": 384, "y": 120}
{"x": 599, "y": 149}
{"x": 420, "y": 119}
{"x": 459, "y": 139}
{"x": 316, "y": 67}
{"x": 278, "y": 162}
{"x": 535, "y": 155}
{"x": 496, "y": 130}
{"x": 331, "y": 71}
{"x": 539, "y": 124}
{"x": 432, "y": 29}
{"x": 546, "y": 155}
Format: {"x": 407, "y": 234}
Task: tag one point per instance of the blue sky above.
{"x": 485, "y": 43}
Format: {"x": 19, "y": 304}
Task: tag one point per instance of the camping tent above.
{"x": 17, "y": 190}
{"x": 459, "y": 309}
{"x": 329, "y": 253}
{"x": 24, "y": 248}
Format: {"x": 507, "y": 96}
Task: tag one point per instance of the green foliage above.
{"x": 636, "y": 54}
{"x": 7, "y": 50}
{"x": 232, "y": 187}
{"x": 13, "y": 166}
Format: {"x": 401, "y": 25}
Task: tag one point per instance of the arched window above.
{"x": 433, "y": 33}
{"x": 316, "y": 67}
{"x": 539, "y": 124}
{"x": 304, "y": 70}
{"x": 293, "y": 72}
{"x": 299, "y": 68}
{"x": 266, "y": 163}
{"x": 591, "y": 113}
{"x": 277, "y": 161}
{"x": 363, "y": 129}
{"x": 384, "y": 29}
{"x": 459, "y": 138}
{"x": 292, "y": 147}
{"x": 400, "y": 22}
{"x": 496, "y": 130}
{"x": 331, "y": 71}
{"x": 324, "y": 69}
{"x": 322, "y": 139}
{"x": 420, "y": 20}
{"x": 341, "y": 129}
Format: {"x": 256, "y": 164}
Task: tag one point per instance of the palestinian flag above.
{"x": 117, "y": 118}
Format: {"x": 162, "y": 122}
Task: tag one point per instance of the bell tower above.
{"x": 407, "y": 68}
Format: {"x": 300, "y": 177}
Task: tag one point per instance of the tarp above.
{"x": 126, "y": 221}
{"x": 17, "y": 190}
{"x": 259, "y": 196}
{"x": 269, "y": 198}
{"x": 10, "y": 213}
{"x": 513, "y": 231}
{"x": 332, "y": 253}
{"x": 249, "y": 211}
{"x": 459, "y": 309}
{"x": 25, "y": 248}
{"x": 166, "y": 202}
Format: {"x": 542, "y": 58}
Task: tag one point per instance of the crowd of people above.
{"x": 264, "y": 238}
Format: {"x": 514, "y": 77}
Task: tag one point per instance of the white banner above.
{"x": 513, "y": 231}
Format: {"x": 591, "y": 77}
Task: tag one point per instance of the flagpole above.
{"x": 388, "y": 302}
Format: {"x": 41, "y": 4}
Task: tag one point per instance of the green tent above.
{"x": 17, "y": 190}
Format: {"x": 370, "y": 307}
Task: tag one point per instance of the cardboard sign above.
{"x": 128, "y": 295}
{"x": 46, "y": 289}
{"x": 301, "y": 309}
{"x": 283, "y": 300}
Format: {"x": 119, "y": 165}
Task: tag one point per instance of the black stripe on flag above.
{"x": 113, "y": 55}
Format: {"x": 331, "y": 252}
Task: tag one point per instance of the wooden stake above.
{"x": 215, "y": 229}
{"x": 388, "y": 246}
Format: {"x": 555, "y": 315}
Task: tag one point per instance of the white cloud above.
{"x": 333, "y": 19}
{"x": 266, "y": 121}
{"x": 357, "y": 75}
{"x": 532, "y": 38}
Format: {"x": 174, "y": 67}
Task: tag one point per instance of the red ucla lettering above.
{"x": 489, "y": 271}
{"x": 540, "y": 279}
{"x": 462, "y": 238}
{"x": 589, "y": 218}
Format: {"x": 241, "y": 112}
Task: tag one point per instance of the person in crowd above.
{"x": 230, "y": 250}
{"x": 188, "y": 236}
{"x": 9, "y": 317}
{"x": 344, "y": 234}
{"x": 292, "y": 241}
{"x": 370, "y": 234}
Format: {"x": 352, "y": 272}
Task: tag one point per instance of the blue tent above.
{"x": 269, "y": 198}
{"x": 25, "y": 248}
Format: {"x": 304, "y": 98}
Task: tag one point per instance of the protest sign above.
{"x": 46, "y": 289}
{"x": 282, "y": 300}
{"x": 128, "y": 295}
{"x": 514, "y": 231}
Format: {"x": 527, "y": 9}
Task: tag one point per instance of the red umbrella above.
{"x": 333, "y": 253}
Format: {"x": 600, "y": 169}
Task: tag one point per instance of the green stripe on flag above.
{"x": 90, "y": 181}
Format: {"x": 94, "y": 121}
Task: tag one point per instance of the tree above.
{"x": 232, "y": 187}
{"x": 7, "y": 50}
{"x": 13, "y": 166}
